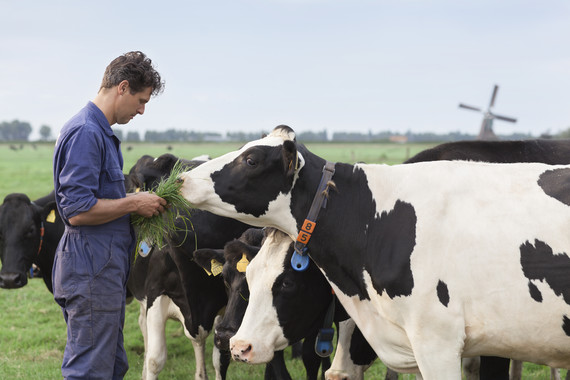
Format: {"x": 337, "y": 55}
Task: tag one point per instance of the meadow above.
{"x": 32, "y": 330}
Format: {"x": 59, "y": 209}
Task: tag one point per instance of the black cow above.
{"x": 29, "y": 234}
{"x": 168, "y": 285}
{"x": 457, "y": 241}
{"x": 553, "y": 152}
{"x": 302, "y": 306}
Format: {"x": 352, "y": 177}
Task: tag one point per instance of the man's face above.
{"x": 129, "y": 105}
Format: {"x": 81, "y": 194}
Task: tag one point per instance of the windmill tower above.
{"x": 486, "y": 132}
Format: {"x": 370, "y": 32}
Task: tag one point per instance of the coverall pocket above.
{"x": 100, "y": 250}
{"x": 64, "y": 282}
{"x": 110, "y": 182}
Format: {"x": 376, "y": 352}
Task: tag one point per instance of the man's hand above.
{"x": 148, "y": 204}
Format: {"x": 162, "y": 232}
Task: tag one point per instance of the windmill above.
{"x": 486, "y": 132}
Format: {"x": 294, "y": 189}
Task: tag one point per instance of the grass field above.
{"x": 32, "y": 330}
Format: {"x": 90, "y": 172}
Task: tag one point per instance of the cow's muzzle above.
{"x": 12, "y": 280}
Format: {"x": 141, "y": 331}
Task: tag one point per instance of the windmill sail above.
{"x": 486, "y": 131}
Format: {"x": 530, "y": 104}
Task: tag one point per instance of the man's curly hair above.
{"x": 136, "y": 68}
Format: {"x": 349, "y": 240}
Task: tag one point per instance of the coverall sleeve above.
{"x": 80, "y": 168}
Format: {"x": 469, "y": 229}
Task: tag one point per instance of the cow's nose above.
{"x": 241, "y": 351}
{"x": 13, "y": 280}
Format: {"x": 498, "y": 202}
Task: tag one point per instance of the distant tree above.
{"x": 15, "y": 131}
{"x": 45, "y": 132}
{"x": 133, "y": 136}
{"x": 565, "y": 134}
{"x": 313, "y": 136}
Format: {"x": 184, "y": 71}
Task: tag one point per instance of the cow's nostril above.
{"x": 246, "y": 350}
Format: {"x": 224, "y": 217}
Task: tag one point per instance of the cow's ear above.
{"x": 211, "y": 260}
{"x": 235, "y": 249}
{"x": 290, "y": 157}
{"x": 49, "y": 212}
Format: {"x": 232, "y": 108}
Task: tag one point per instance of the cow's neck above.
{"x": 340, "y": 236}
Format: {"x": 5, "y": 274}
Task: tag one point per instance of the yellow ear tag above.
{"x": 51, "y": 217}
{"x": 242, "y": 264}
{"x": 137, "y": 189}
{"x": 216, "y": 267}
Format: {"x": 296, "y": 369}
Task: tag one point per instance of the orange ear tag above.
{"x": 216, "y": 267}
{"x": 242, "y": 264}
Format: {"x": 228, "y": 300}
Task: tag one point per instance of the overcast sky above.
{"x": 340, "y": 65}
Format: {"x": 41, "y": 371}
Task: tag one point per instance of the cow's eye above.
{"x": 250, "y": 161}
{"x": 287, "y": 284}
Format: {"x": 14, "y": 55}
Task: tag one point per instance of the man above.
{"x": 92, "y": 260}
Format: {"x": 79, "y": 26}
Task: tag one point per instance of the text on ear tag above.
{"x": 242, "y": 264}
{"x": 51, "y": 217}
{"x": 216, "y": 267}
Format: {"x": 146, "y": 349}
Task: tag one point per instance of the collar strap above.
{"x": 42, "y": 232}
{"x": 319, "y": 201}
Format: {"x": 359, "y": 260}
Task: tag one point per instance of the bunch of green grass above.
{"x": 155, "y": 229}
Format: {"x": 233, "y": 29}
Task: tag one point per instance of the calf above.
{"x": 29, "y": 234}
{"x": 168, "y": 285}
{"x": 469, "y": 244}
{"x": 303, "y": 299}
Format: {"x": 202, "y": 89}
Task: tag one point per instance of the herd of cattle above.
{"x": 441, "y": 258}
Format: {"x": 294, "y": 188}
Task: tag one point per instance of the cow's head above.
{"x": 148, "y": 171}
{"x": 20, "y": 234}
{"x": 252, "y": 184}
{"x": 235, "y": 258}
{"x": 284, "y": 304}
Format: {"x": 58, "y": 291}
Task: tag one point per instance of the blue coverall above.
{"x": 92, "y": 263}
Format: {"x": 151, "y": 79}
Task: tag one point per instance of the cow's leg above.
{"x": 555, "y": 374}
{"x": 342, "y": 366}
{"x": 199, "y": 344}
{"x": 220, "y": 359}
{"x": 494, "y": 368}
{"x": 438, "y": 351}
{"x": 471, "y": 368}
{"x": 391, "y": 374}
{"x": 142, "y": 326}
{"x": 155, "y": 355}
{"x": 516, "y": 370}
{"x": 276, "y": 368}
{"x": 311, "y": 360}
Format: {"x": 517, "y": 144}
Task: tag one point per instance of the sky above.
{"x": 339, "y": 65}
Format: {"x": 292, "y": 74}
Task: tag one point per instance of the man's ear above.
{"x": 123, "y": 87}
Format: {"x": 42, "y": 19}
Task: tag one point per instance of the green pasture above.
{"x": 28, "y": 169}
{"x": 32, "y": 330}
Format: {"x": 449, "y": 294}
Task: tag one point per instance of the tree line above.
{"x": 20, "y": 131}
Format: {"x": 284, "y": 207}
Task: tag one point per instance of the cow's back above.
{"x": 552, "y": 152}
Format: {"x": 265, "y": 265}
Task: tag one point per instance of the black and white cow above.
{"x": 301, "y": 300}
{"x": 29, "y": 234}
{"x": 170, "y": 286}
{"x": 554, "y": 152}
{"x": 430, "y": 259}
